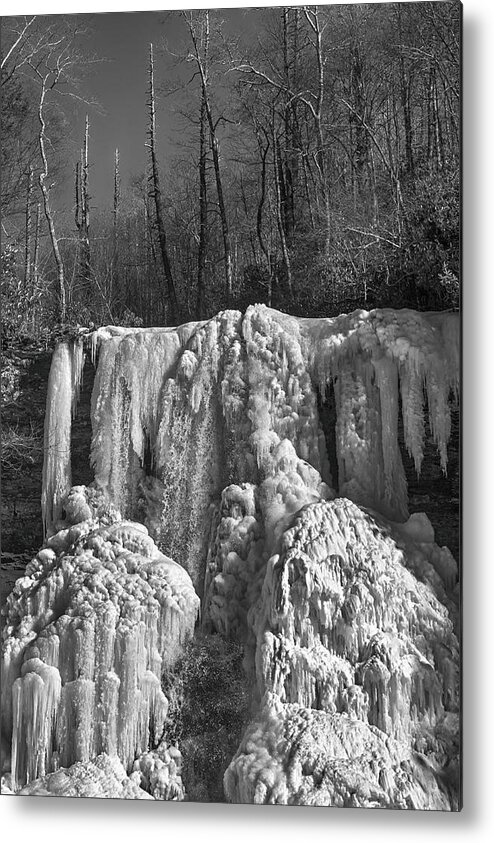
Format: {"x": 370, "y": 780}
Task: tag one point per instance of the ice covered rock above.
{"x": 102, "y": 778}
{"x": 358, "y": 663}
{"x": 291, "y": 755}
{"x": 249, "y": 524}
{"x": 339, "y": 608}
{"x": 430, "y": 563}
{"x": 89, "y": 629}
{"x": 159, "y": 773}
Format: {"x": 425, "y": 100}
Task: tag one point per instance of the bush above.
{"x": 209, "y": 706}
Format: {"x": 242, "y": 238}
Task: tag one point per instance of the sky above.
{"x": 118, "y": 83}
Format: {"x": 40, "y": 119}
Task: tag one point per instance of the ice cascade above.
{"x": 180, "y": 413}
{"x": 215, "y": 482}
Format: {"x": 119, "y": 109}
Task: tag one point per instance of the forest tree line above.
{"x": 318, "y": 171}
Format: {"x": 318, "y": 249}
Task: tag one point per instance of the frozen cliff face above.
{"x": 89, "y": 629}
{"x": 179, "y": 414}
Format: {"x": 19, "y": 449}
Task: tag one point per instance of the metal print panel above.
{"x": 231, "y": 336}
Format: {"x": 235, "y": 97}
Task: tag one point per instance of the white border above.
{"x": 98, "y": 820}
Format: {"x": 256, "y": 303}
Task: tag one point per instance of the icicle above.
{"x": 412, "y": 404}
{"x": 36, "y": 697}
{"x": 78, "y": 359}
{"x": 394, "y": 500}
{"x": 359, "y": 433}
{"x": 60, "y": 400}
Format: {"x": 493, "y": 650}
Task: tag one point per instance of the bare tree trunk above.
{"x": 116, "y": 212}
{"x": 263, "y": 150}
{"x": 202, "y": 66}
{"x": 375, "y": 201}
{"x": 431, "y": 150}
{"x": 116, "y": 190}
{"x": 29, "y": 226}
{"x": 86, "y": 268}
{"x": 279, "y": 216}
{"x": 438, "y": 139}
{"x": 224, "y": 222}
{"x": 285, "y": 164}
{"x": 82, "y": 218}
{"x": 156, "y": 195}
{"x": 407, "y": 119}
{"x": 203, "y": 215}
{"x": 35, "y": 265}
{"x": 45, "y": 190}
{"x": 313, "y": 21}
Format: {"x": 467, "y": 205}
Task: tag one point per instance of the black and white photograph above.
{"x": 232, "y": 448}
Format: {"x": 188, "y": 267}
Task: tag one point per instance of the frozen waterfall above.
{"x": 215, "y": 501}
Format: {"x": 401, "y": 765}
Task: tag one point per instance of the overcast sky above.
{"x": 119, "y": 84}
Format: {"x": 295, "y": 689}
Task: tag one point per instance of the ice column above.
{"x": 63, "y": 391}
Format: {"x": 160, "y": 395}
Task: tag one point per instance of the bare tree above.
{"x": 82, "y": 215}
{"x": 155, "y": 193}
{"x": 203, "y": 214}
{"x": 116, "y": 189}
{"x": 47, "y": 52}
{"x": 48, "y": 80}
{"x": 29, "y": 227}
{"x": 279, "y": 206}
{"x": 283, "y": 84}
{"x": 200, "y": 56}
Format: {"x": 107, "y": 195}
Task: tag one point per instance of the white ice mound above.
{"x": 89, "y": 629}
{"x": 103, "y": 778}
{"x": 246, "y": 528}
{"x": 340, "y": 617}
{"x": 344, "y": 628}
{"x": 159, "y": 772}
{"x": 292, "y": 755}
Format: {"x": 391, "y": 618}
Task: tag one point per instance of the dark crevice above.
{"x": 433, "y": 492}
{"x": 80, "y": 433}
{"x": 326, "y": 408}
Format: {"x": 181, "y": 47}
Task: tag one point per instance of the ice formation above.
{"x": 104, "y": 777}
{"x": 180, "y": 413}
{"x": 63, "y": 391}
{"x": 98, "y": 616}
{"x": 208, "y": 439}
{"x": 291, "y": 755}
{"x": 343, "y": 627}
